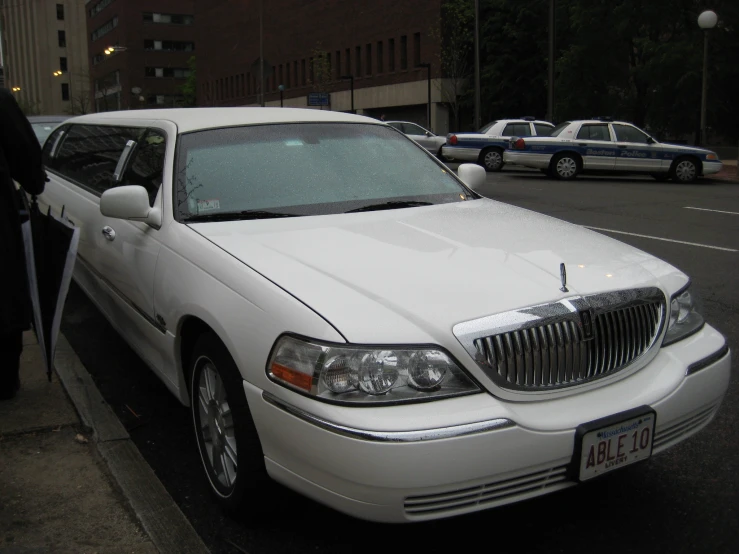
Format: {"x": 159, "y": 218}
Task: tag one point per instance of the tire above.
{"x": 440, "y": 156}
{"x": 565, "y": 166}
{"x": 491, "y": 159}
{"x": 227, "y": 439}
{"x": 661, "y": 177}
{"x": 684, "y": 170}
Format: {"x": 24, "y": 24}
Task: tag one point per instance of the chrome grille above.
{"x": 569, "y": 342}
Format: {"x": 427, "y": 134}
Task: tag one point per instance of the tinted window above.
{"x": 517, "y": 130}
{"x": 594, "y": 132}
{"x": 333, "y": 168}
{"x": 49, "y": 144}
{"x": 559, "y": 128}
{"x": 146, "y": 165}
{"x": 396, "y": 125}
{"x": 543, "y": 130}
{"x": 411, "y": 129}
{"x": 627, "y": 133}
{"x": 487, "y": 128}
{"x": 89, "y": 154}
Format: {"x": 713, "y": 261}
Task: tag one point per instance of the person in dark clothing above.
{"x": 20, "y": 160}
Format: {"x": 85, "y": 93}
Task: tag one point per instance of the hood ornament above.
{"x": 563, "y": 277}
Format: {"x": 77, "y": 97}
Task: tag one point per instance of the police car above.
{"x": 604, "y": 145}
{"x": 487, "y": 146}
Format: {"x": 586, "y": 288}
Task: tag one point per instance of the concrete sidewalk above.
{"x": 70, "y": 480}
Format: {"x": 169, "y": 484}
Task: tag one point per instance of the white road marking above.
{"x": 661, "y": 238}
{"x": 707, "y": 210}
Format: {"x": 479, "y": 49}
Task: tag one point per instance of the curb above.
{"x": 161, "y": 518}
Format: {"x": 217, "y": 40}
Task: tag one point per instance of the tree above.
{"x": 189, "y": 89}
{"x": 320, "y": 66}
{"x": 80, "y": 99}
{"x": 455, "y": 37}
{"x": 29, "y": 107}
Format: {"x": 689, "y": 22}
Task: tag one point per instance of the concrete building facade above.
{"x": 314, "y": 46}
{"x": 152, "y": 42}
{"x": 45, "y": 54}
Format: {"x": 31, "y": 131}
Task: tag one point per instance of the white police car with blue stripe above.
{"x": 603, "y": 145}
{"x": 486, "y": 147}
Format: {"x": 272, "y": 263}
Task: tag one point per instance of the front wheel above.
{"x": 491, "y": 159}
{"x": 227, "y": 438}
{"x": 685, "y": 170}
{"x": 440, "y": 156}
{"x": 565, "y": 166}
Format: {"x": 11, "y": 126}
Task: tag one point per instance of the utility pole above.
{"x": 478, "y": 122}
{"x": 550, "y": 92}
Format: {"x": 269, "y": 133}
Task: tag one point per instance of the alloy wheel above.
{"x": 493, "y": 160}
{"x": 685, "y": 171}
{"x": 566, "y": 167}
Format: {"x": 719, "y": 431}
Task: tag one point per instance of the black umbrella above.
{"x": 51, "y": 249}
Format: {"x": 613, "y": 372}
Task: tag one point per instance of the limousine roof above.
{"x": 193, "y": 119}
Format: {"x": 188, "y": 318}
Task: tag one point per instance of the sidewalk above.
{"x": 71, "y": 480}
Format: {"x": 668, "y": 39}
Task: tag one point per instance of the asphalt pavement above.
{"x": 684, "y": 500}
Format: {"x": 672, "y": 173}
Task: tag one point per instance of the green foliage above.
{"x": 321, "y": 68}
{"x": 189, "y": 89}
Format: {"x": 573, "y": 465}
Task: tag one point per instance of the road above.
{"x": 684, "y": 500}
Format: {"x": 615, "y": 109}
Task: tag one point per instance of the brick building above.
{"x": 45, "y": 55}
{"x": 309, "y": 46}
{"x": 152, "y": 42}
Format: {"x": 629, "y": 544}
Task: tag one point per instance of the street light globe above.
{"x": 707, "y": 20}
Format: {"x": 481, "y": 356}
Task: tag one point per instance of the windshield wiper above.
{"x": 233, "y": 216}
{"x": 392, "y": 205}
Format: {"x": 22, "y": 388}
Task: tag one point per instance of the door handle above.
{"x": 109, "y": 233}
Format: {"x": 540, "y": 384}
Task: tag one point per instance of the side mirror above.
{"x": 130, "y": 202}
{"x": 472, "y": 175}
{"x": 429, "y": 134}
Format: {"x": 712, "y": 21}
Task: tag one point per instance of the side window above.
{"x": 594, "y": 132}
{"x": 411, "y": 129}
{"x": 627, "y": 133}
{"x": 89, "y": 154}
{"x": 146, "y": 166}
{"x": 49, "y": 146}
{"x": 396, "y": 125}
{"x": 517, "y": 130}
{"x": 543, "y": 130}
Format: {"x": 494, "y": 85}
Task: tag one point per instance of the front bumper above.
{"x": 393, "y": 468}
{"x": 455, "y": 153}
{"x": 711, "y": 167}
{"x": 527, "y": 159}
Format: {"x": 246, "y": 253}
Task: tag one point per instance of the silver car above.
{"x": 424, "y": 137}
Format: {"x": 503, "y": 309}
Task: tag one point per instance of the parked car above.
{"x": 486, "y": 147}
{"x": 424, "y": 137}
{"x": 606, "y": 146}
{"x": 43, "y": 125}
{"x": 346, "y": 315}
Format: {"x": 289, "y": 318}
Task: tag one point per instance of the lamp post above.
{"x": 427, "y": 66}
{"x": 351, "y": 84}
{"x": 115, "y": 49}
{"x": 281, "y": 88}
{"x": 16, "y": 89}
{"x": 706, "y": 21}
{"x": 478, "y": 122}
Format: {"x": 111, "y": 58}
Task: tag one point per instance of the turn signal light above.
{"x": 289, "y": 375}
{"x": 453, "y": 140}
{"x": 520, "y": 144}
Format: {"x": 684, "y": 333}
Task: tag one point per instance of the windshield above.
{"x": 43, "y": 130}
{"x": 305, "y": 169}
{"x": 558, "y": 129}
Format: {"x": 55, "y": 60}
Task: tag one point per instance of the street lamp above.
{"x": 351, "y": 79}
{"x": 281, "y": 88}
{"x": 16, "y": 89}
{"x": 114, "y": 49}
{"x": 707, "y": 20}
{"x": 427, "y": 66}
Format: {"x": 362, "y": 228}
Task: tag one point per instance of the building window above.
{"x": 62, "y": 36}
{"x": 311, "y": 63}
{"x": 327, "y": 69}
{"x": 62, "y": 64}
{"x": 338, "y": 64}
{"x": 368, "y": 52}
{"x": 65, "y": 92}
{"x": 232, "y": 86}
{"x": 348, "y": 61}
{"x": 417, "y": 49}
{"x": 358, "y": 60}
{"x": 287, "y": 75}
{"x": 169, "y": 45}
{"x": 243, "y": 86}
{"x": 100, "y": 6}
{"x": 97, "y": 58}
{"x": 380, "y": 64}
{"x": 391, "y": 54}
{"x": 60, "y": 12}
{"x": 403, "y": 52}
{"x": 302, "y": 70}
{"x": 295, "y": 74}
{"x": 172, "y": 72}
{"x": 105, "y": 28}
{"x": 176, "y": 19}
{"x": 282, "y": 76}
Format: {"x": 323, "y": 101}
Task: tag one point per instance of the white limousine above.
{"x": 348, "y": 317}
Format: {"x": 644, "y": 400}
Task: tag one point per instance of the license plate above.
{"x": 607, "y": 445}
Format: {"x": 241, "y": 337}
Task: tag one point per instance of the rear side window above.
{"x": 594, "y": 132}
{"x": 49, "y": 145}
{"x": 543, "y": 130}
{"x": 517, "y": 130}
{"x": 146, "y": 166}
{"x": 89, "y": 154}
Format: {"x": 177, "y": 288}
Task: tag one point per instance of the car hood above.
{"x": 409, "y": 275}
{"x": 683, "y": 147}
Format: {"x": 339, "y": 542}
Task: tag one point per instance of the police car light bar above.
{"x": 602, "y": 118}
{"x": 528, "y": 118}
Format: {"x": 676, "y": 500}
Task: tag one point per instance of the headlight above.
{"x": 365, "y": 374}
{"x": 685, "y": 316}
